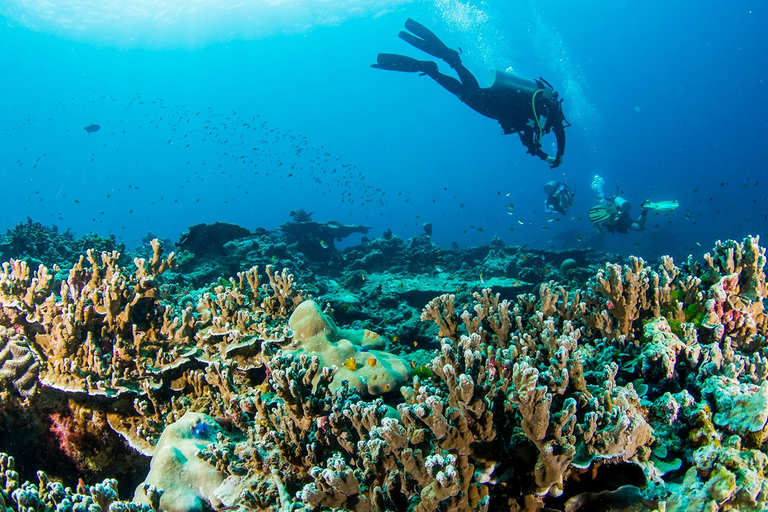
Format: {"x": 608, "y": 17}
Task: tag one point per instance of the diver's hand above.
{"x": 554, "y": 162}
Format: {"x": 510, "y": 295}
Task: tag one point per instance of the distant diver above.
{"x": 613, "y": 216}
{"x": 92, "y": 128}
{"x": 517, "y": 103}
{"x": 559, "y": 197}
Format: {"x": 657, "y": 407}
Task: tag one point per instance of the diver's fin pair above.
{"x": 661, "y": 206}
{"x": 394, "y": 62}
{"x": 599, "y": 213}
{"x": 426, "y": 41}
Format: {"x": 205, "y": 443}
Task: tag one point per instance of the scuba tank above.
{"x": 551, "y": 187}
{"x": 622, "y": 204}
{"x": 506, "y": 80}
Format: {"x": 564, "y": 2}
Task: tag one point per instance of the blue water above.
{"x": 244, "y": 114}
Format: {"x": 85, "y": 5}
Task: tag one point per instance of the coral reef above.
{"x": 643, "y": 387}
{"x": 46, "y": 494}
{"x": 36, "y": 244}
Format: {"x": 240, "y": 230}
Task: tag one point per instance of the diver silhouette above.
{"x": 517, "y": 103}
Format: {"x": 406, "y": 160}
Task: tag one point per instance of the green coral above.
{"x": 694, "y": 314}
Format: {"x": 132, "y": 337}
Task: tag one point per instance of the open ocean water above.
{"x": 241, "y": 112}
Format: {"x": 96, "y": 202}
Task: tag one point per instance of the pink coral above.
{"x": 65, "y": 430}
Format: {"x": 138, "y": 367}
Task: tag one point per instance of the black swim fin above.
{"x": 426, "y": 41}
{"x": 395, "y": 62}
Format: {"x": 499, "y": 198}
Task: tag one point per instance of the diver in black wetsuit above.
{"x": 559, "y": 197}
{"x": 613, "y": 216}
{"x": 517, "y": 103}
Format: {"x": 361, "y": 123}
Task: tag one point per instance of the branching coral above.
{"x": 655, "y": 368}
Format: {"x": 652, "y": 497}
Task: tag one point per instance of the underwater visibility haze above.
{"x": 239, "y": 113}
{"x": 370, "y": 306}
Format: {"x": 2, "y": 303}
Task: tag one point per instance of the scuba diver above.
{"x": 517, "y": 103}
{"x": 613, "y": 216}
{"x": 559, "y": 197}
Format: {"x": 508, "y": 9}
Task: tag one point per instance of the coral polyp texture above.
{"x": 644, "y": 387}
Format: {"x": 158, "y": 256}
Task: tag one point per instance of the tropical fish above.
{"x": 350, "y": 364}
{"x": 92, "y": 128}
{"x": 422, "y": 371}
{"x": 323, "y": 244}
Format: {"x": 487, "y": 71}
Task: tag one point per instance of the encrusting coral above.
{"x": 654, "y": 373}
{"x": 369, "y": 371}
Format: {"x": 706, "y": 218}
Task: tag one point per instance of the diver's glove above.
{"x": 554, "y": 161}
{"x": 645, "y": 204}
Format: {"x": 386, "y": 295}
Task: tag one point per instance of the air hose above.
{"x": 535, "y": 116}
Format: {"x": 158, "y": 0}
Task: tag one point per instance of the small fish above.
{"x": 372, "y": 361}
{"x": 481, "y": 278}
{"x": 92, "y": 128}
{"x": 439, "y": 268}
{"x": 362, "y": 276}
{"x": 350, "y": 364}
{"x": 516, "y": 283}
{"x": 579, "y": 239}
{"x": 551, "y": 220}
{"x": 323, "y": 244}
{"x": 520, "y": 222}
